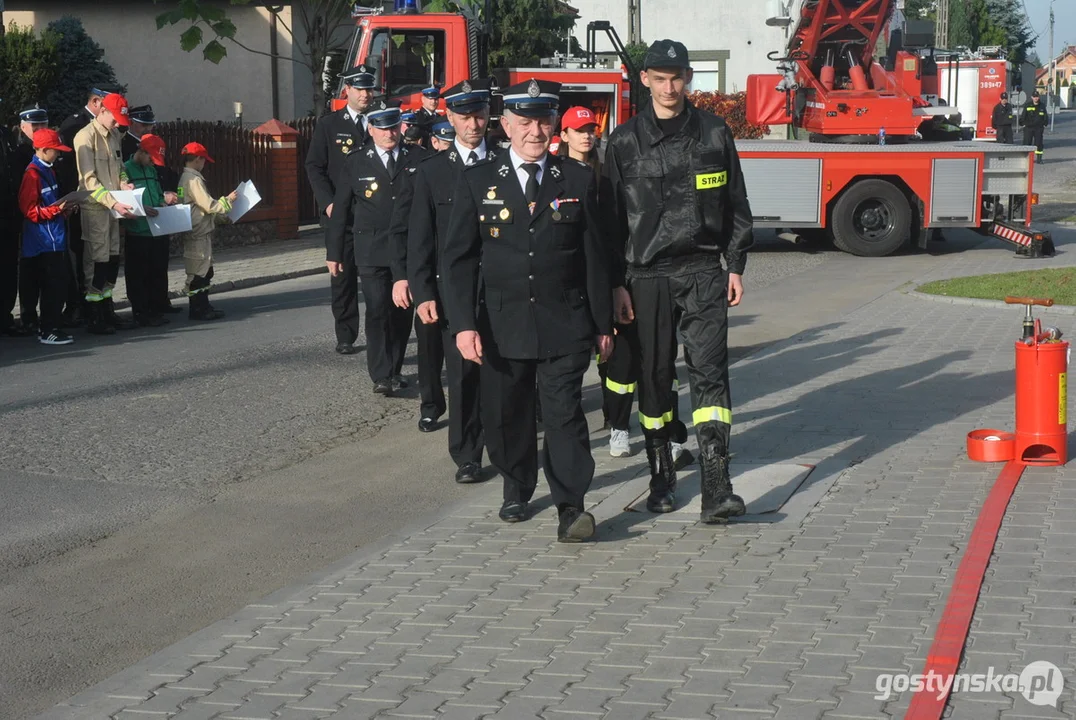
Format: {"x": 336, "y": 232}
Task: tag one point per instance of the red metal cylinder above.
{"x": 1042, "y": 403}
{"x": 858, "y": 77}
{"x": 828, "y": 76}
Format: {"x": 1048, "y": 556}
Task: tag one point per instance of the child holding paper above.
{"x": 198, "y": 243}
{"x": 146, "y": 262}
{"x": 44, "y": 234}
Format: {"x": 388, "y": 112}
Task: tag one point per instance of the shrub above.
{"x": 82, "y": 68}
{"x": 30, "y": 67}
{"x": 733, "y": 108}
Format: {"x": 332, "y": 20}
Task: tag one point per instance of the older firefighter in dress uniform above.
{"x": 373, "y": 178}
{"x": 100, "y": 168}
{"x": 436, "y": 184}
{"x": 335, "y": 136}
{"x": 524, "y": 248}
{"x": 675, "y": 203}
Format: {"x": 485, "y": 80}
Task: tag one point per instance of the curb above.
{"x": 241, "y": 284}
{"x": 993, "y": 304}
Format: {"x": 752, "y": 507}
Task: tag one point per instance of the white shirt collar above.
{"x": 352, "y": 115}
{"x": 466, "y": 153}
{"x": 518, "y": 162}
{"x": 384, "y": 154}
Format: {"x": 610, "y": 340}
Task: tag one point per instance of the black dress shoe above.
{"x": 17, "y": 330}
{"x": 168, "y": 309}
{"x": 513, "y": 511}
{"x": 427, "y": 424}
{"x": 469, "y": 473}
{"x": 575, "y": 525}
{"x": 346, "y": 348}
{"x": 398, "y": 382}
{"x": 383, "y": 387}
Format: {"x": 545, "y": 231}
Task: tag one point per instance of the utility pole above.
{"x": 1053, "y": 71}
{"x": 635, "y": 33}
{"x": 941, "y": 31}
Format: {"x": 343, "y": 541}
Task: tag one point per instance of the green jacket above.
{"x": 143, "y": 176}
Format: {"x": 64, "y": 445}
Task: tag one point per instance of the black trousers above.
{"x": 620, "y": 377}
{"x": 345, "y": 295}
{"x": 157, "y": 281}
{"x": 9, "y": 271}
{"x": 76, "y": 288}
{"x": 388, "y": 328}
{"x": 509, "y": 391}
{"x": 697, "y": 304}
{"x": 1033, "y": 136}
{"x": 49, "y": 273}
{"x": 137, "y": 272}
{"x": 29, "y": 290}
{"x": 1005, "y": 134}
{"x": 431, "y": 359}
{"x": 465, "y": 435}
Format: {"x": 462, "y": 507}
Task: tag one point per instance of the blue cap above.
{"x": 433, "y": 91}
{"x": 384, "y": 115}
{"x": 533, "y": 98}
{"x": 408, "y": 117}
{"x": 468, "y": 96}
{"x": 444, "y": 131}
{"x": 362, "y": 77}
{"x": 35, "y": 114}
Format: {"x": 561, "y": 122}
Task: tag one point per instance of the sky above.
{"x": 1064, "y": 24}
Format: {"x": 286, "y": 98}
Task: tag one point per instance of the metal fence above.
{"x": 308, "y": 206}
{"x": 238, "y": 154}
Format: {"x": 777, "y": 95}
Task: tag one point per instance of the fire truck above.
{"x": 411, "y": 50}
{"x": 874, "y": 169}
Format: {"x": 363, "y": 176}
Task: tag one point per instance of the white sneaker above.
{"x": 619, "y": 443}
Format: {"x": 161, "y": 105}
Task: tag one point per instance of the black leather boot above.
{"x": 200, "y": 308}
{"x": 718, "y": 501}
{"x": 98, "y": 322}
{"x": 113, "y": 319}
{"x": 662, "y": 497}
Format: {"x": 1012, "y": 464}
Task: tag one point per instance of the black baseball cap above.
{"x": 667, "y": 54}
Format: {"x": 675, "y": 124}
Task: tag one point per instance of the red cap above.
{"x": 196, "y": 149}
{"x": 577, "y": 117}
{"x": 46, "y": 139}
{"x": 154, "y": 146}
{"x": 117, "y": 105}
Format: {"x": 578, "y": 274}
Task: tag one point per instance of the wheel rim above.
{"x": 873, "y": 219}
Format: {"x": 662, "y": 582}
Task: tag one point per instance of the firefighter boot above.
{"x": 113, "y": 319}
{"x": 662, "y": 497}
{"x": 98, "y": 323}
{"x": 718, "y": 501}
{"x": 200, "y": 309}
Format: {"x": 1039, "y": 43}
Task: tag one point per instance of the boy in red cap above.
{"x": 198, "y": 243}
{"x": 44, "y": 234}
{"x": 142, "y": 265}
{"x": 100, "y": 169}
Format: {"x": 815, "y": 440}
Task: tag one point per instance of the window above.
{"x": 408, "y": 61}
{"x": 706, "y": 77}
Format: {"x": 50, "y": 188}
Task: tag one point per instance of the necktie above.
{"x": 472, "y": 158}
{"x": 391, "y": 164}
{"x": 532, "y": 183}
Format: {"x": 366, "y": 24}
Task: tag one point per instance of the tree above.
{"x": 30, "y": 64}
{"x": 522, "y": 32}
{"x": 82, "y": 68}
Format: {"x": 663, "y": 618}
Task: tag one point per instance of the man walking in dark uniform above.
{"x": 1002, "y": 120}
{"x": 335, "y": 136}
{"x": 525, "y": 249}
{"x": 436, "y": 184}
{"x": 1035, "y": 119}
{"x": 674, "y": 202}
{"x": 370, "y": 183}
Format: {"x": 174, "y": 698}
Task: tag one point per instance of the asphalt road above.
{"x": 155, "y": 482}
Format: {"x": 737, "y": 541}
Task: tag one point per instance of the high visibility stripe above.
{"x": 653, "y": 423}
{"x": 711, "y": 414}
{"x": 226, "y": 203}
{"x": 94, "y": 297}
{"x": 107, "y": 294}
{"x": 195, "y": 292}
{"x": 676, "y": 385}
{"x": 99, "y": 193}
{"x": 619, "y": 388}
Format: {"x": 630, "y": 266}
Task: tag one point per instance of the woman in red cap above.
{"x": 579, "y": 137}
{"x": 198, "y": 243}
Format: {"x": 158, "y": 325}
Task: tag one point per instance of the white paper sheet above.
{"x": 248, "y": 198}
{"x": 132, "y": 198}
{"x": 170, "y": 220}
{"x": 73, "y": 198}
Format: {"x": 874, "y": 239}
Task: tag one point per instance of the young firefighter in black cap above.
{"x": 369, "y": 185}
{"x": 1002, "y": 119}
{"x": 528, "y": 297}
{"x": 1035, "y": 120}
{"x": 423, "y": 220}
{"x": 674, "y": 202}
{"x": 335, "y": 136}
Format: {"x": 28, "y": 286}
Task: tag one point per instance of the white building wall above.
{"x": 736, "y": 26}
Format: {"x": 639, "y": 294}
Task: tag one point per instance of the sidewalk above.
{"x": 851, "y": 434}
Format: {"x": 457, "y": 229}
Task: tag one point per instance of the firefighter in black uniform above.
{"x": 524, "y": 247}
{"x": 31, "y": 119}
{"x": 372, "y": 179}
{"x": 674, "y": 203}
{"x": 436, "y": 184}
{"x": 427, "y": 114}
{"x": 336, "y": 136}
{"x": 1002, "y": 120}
{"x": 1034, "y": 115}
{"x": 10, "y": 224}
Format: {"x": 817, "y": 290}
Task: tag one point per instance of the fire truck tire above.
{"x": 871, "y": 219}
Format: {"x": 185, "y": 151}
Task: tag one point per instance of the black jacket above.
{"x": 1035, "y": 115}
{"x": 544, "y": 278}
{"x": 66, "y": 166}
{"x": 672, "y": 204}
{"x": 371, "y": 194}
{"x": 426, "y": 221}
{"x": 1002, "y": 115}
{"x": 9, "y": 187}
{"x": 335, "y": 136}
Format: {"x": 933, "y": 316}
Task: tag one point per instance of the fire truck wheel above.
{"x": 871, "y": 219}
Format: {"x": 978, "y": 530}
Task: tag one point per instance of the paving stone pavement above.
{"x": 788, "y": 615}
